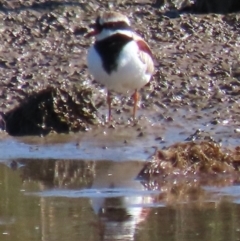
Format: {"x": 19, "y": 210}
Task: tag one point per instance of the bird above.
{"x": 119, "y": 59}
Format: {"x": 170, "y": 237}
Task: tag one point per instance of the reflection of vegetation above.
{"x": 68, "y": 174}
{"x": 26, "y": 217}
{"x": 187, "y": 189}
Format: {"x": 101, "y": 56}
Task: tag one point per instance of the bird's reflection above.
{"x": 122, "y": 201}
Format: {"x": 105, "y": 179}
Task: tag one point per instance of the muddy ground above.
{"x": 45, "y": 86}
{"x": 43, "y": 52}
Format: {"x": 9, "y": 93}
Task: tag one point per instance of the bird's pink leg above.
{"x": 135, "y": 99}
{"x": 109, "y": 101}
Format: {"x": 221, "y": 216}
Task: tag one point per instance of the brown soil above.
{"x": 43, "y": 46}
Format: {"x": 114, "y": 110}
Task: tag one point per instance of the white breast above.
{"x": 130, "y": 74}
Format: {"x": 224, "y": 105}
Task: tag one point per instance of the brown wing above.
{"x": 145, "y": 54}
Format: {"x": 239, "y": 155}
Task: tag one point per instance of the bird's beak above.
{"x": 93, "y": 31}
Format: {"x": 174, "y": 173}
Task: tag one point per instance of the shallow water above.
{"x": 126, "y": 142}
{"x": 83, "y": 187}
{"x": 86, "y": 200}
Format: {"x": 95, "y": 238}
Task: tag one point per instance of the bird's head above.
{"x": 109, "y": 23}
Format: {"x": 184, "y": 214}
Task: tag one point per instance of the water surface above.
{"x": 87, "y": 200}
